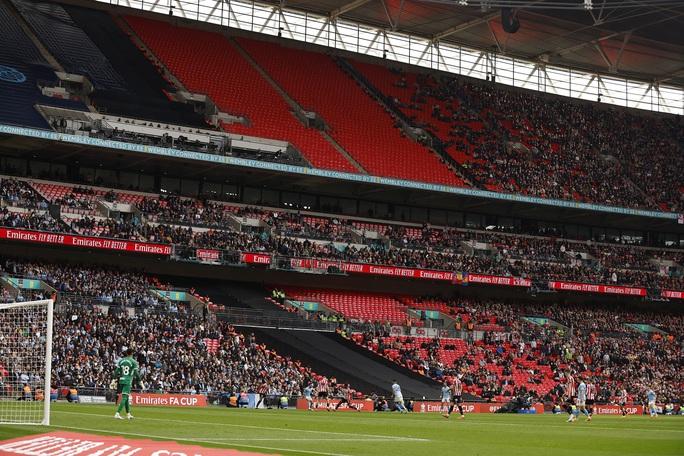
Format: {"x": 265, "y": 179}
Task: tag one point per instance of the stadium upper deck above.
{"x": 429, "y": 129}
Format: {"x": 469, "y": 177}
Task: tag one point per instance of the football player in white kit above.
{"x": 398, "y": 397}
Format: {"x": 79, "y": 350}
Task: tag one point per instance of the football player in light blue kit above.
{"x": 398, "y": 397}
{"x": 308, "y": 391}
{"x": 446, "y": 398}
{"x": 651, "y": 397}
{"x": 582, "y": 399}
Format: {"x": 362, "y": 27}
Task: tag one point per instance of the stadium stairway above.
{"x": 327, "y": 353}
{"x": 294, "y": 105}
{"x": 436, "y": 144}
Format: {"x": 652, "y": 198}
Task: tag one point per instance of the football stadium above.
{"x": 341, "y": 227}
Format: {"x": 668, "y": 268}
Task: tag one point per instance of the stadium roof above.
{"x": 642, "y": 39}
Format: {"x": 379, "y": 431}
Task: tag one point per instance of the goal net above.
{"x": 25, "y": 362}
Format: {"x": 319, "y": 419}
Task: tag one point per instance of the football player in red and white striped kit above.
{"x": 456, "y": 397}
{"x": 322, "y": 391}
{"x": 570, "y": 385}
{"x": 622, "y": 399}
{"x": 570, "y": 391}
{"x": 263, "y": 392}
{"x": 346, "y": 395}
{"x": 591, "y": 396}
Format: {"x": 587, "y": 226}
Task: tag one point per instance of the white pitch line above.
{"x": 247, "y": 426}
{"x": 574, "y": 426}
{"x": 595, "y": 424}
{"x": 258, "y": 439}
{"x": 183, "y": 439}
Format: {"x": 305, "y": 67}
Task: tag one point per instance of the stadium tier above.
{"x": 217, "y": 69}
{"x": 519, "y": 142}
{"x": 24, "y": 70}
{"x": 499, "y": 139}
{"x": 234, "y": 229}
{"x": 280, "y": 205}
{"x": 510, "y": 351}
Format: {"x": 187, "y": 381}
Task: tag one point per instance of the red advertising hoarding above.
{"x": 255, "y": 258}
{"x": 672, "y": 294}
{"x": 411, "y": 273}
{"x": 499, "y": 280}
{"x": 468, "y": 407}
{"x": 169, "y": 400}
{"x": 361, "y": 404}
{"x": 593, "y": 288}
{"x": 88, "y": 242}
{"x": 615, "y": 410}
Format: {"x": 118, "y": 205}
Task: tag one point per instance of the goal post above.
{"x": 26, "y": 362}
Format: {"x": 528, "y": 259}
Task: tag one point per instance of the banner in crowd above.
{"x": 72, "y": 443}
{"x": 84, "y": 241}
{"x": 672, "y": 294}
{"x": 169, "y": 400}
{"x": 609, "y": 409}
{"x": 25, "y": 284}
{"x": 419, "y": 332}
{"x": 207, "y": 255}
{"x": 498, "y": 280}
{"x": 373, "y": 269}
{"x": 592, "y": 288}
{"x": 392, "y": 271}
{"x": 255, "y": 258}
{"x": 468, "y": 407}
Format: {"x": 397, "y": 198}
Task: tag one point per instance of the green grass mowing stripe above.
{"x": 269, "y": 428}
{"x": 191, "y": 440}
{"x": 513, "y": 435}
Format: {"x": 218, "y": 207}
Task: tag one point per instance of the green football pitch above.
{"x": 323, "y": 433}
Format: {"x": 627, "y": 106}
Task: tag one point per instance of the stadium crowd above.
{"x": 524, "y": 142}
{"x": 18, "y": 193}
{"x": 180, "y": 352}
{"x": 205, "y": 224}
{"x": 175, "y": 352}
{"x": 103, "y": 285}
{"x": 520, "y": 357}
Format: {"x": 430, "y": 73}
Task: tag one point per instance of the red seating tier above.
{"x": 364, "y": 306}
{"x": 208, "y": 63}
{"x": 357, "y": 122}
{"x": 53, "y": 192}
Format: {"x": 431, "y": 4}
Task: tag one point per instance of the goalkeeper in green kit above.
{"x": 127, "y": 371}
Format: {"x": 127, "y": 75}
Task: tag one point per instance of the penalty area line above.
{"x": 188, "y": 439}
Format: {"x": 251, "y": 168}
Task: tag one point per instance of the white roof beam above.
{"x": 670, "y": 76}
{"x": 346, "y": 8}
{"x": 462, "y": 27}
